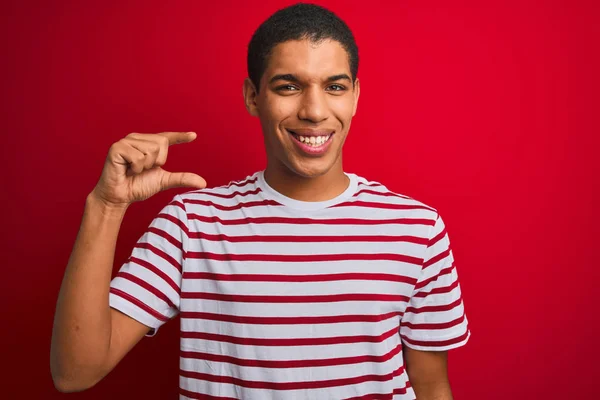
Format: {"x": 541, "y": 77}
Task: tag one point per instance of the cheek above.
{"x": 271, "y": 113}
{"x": 282, "y": 108}
{"x": 343, "y": 109}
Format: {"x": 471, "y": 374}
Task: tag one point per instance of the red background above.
{"x": 486, "y": 112}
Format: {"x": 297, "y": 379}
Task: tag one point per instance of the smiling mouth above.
{"x": 312, "y": 141}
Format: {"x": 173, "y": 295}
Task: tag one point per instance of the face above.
{"x": 305, "y": 105}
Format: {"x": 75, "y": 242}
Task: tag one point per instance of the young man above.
{"x": 298, "y": 282}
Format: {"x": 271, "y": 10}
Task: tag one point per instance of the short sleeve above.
{"x": 435, "y": 318}
{"x": 148, "y": 285}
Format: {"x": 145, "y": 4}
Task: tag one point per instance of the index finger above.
{"x": 178, "y": 137}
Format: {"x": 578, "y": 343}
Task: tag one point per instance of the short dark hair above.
{"x": 297, "y": 22}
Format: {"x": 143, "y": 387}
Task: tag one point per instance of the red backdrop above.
{"x": 485, "y": 112}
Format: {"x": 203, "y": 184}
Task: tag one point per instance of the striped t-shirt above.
{"x": 285, "y": 299}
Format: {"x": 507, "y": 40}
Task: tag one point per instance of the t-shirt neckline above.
{"x": 307, "y": 205}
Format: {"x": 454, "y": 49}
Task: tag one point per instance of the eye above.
{"x": 336, "y": 88}
{"x": 286, "y": 88}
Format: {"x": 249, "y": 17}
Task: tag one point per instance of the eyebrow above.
{"x": 339, "y": 77}
{"x": 285, "y": 77}
{"x": 294, "y": 78}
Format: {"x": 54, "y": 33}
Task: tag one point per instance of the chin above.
{"x": 311, "y": 168}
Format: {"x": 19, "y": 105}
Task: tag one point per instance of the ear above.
{"x": 250, "y": 95}
{"x": 356, "y": 95}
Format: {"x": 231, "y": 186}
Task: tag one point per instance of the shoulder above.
{"x": 377, "y": 193}
{"x": 222, "y": 197}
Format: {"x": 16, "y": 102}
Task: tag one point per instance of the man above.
{"x": 298, "y": 282}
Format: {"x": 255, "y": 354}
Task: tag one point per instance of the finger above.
{"x": 123, "y": 153}
{"x": 163, "y": 151}
{"x": 151, "y": 149}
{"x": 178, "y": 137}
{"x": 182, "y": 179}
{"x": 161, "y": 141}
{"x": 134, "y": 158}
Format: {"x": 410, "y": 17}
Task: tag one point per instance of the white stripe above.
{"x": 289, "y": 331}
{"x": 286, "y": 229}
{"x": 296, "y": 248}
{"x": 271, "y": 353}
{"x": 300, "y": 268}
{"x": 298, "y": 288}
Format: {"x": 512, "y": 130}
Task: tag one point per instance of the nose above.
{"x": 313, "y": 106}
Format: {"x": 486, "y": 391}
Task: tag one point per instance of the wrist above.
{"x": 99, "y": 205}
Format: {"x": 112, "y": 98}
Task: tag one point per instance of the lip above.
{"x": 310, "y": 150}
{"x": 311, "y": 132}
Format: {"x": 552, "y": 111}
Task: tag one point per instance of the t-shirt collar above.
{"x": 307, "y": 205}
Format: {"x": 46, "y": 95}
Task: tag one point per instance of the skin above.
{"x": 89, "y": 338}
{"x": 310, "y": 101}
{"x": 428, "y": 373}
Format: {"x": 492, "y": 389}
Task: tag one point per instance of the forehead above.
{"x": 307, "y": 59}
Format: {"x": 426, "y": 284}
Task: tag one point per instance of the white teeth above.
{"x": 313, "y": 140}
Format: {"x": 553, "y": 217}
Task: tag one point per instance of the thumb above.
{"x": 182, "y": 179}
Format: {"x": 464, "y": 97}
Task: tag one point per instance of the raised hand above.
{"x": 132, "y": 170}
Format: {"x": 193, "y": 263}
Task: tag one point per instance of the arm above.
{"x": 89, "y": 337}
{"x": 435, "y": 320}
{"x": 428, "y": 373}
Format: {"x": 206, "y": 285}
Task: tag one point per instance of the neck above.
{"x": 321, "y": 188}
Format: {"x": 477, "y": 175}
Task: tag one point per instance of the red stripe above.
{"x": 160, "y": 253}
{"x": 138, "y": 303}
{"x": 438, "y": 290}
{"x": 303, "y": 257}
{"x": 231, "y": 195}
{"x": 437, "y": 258}
{"x": 436, "y": 343}
{"x": 160, "y": 273}
{"x": 147, "y": 286}
{"x": 214, "y": 337}
{"x": 310, "y": 221}
{"x": 446, "y": 307}
{"x": 383, "y": 396}
{"x": 174, "y": 220}
{"x": 372, "y": 184}
{"x": 242, "y": 183}
{"x": 202, "y": 396}
{"x": 437, "y": 238}
{"x": 426, "y": 282}
{"x": 327, "y": 362}
{"x": 370, "y": 204}
{"x": 436, "y": 326}
{"x": 331, "y": 298}
{"x": 334, "y": 319}
{"x": 385, "y": 194}
{"x": 238, "y": 206}
{"x": 177, "y": 204}
{"x": 298, "y": 278}
{"x": 374, "y": 396}
{"x": 305, "y": 239}
{"x": 292, "y": 385}
{"x": 166, "y": 236}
